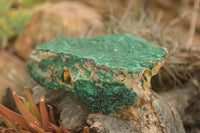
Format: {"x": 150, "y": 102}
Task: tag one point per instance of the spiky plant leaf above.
{"x": 37, "y": 128}
{"x": 9, "y": 123}
{"x": 14, "y": 116}
{"x": 33, "y": 106}
{"x": 27, "y": 121}
{"x": 51, "y": 115}
{"x": 25, "y": 103}
{"x": 44, "y": 114}
{"x": 29, "y": 118}
{"x": 56, "y": 128}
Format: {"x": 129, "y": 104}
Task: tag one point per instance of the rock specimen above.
{"x": 107, "y": 72}
{"x": 110, "y": 74}
{"x": 63, "y": 18}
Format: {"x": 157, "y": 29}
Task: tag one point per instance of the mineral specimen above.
{"x": 108, "y": 73}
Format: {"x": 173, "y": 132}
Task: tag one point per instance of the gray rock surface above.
{"x": 169, "y": 119}
{"x": 73, "y": 113}
{"x": 180, "y": 98}
{"x": 108, "y": 124}
{"x": 186, "y": 101}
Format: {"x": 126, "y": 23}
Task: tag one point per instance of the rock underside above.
{"x": 157, "y": 116}
{"x": 108, "y": 73}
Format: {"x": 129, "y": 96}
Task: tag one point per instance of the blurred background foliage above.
{"x": 14, "y": 14}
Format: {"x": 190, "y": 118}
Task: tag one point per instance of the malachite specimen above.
{"x": 105, "y": 72}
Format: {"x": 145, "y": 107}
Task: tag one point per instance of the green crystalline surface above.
{"x": 122, "y": 50}
{"x": 107, "y": 98}
{"x": 116, "y": 50}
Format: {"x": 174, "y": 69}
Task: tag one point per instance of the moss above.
{"x": 108, "y": 97}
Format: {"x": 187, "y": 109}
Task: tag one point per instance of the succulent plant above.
{"x": 31, "y": 119}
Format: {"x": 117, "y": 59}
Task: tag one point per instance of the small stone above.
{"x": 98, "y": 127}
{"x": 110, "y": 83}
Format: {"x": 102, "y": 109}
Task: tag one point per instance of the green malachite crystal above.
{"x": 115, "y": 50}
{"x": 102, "y": 71}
